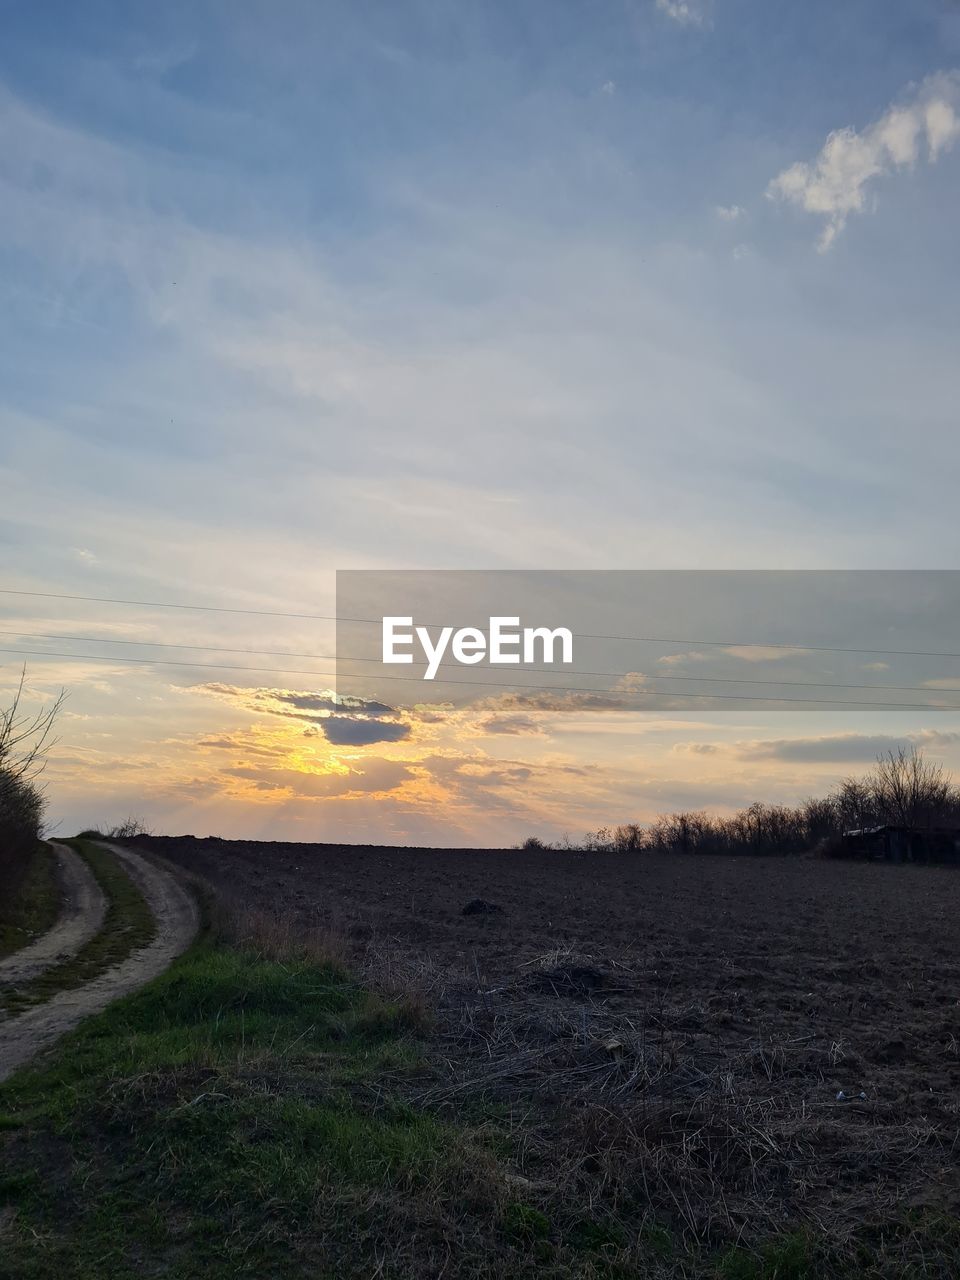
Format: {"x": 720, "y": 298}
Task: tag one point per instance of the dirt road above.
{"x": 177, "y": 919}
{"x": 81, "y": 917}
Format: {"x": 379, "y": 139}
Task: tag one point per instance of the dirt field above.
{"x": 676, "y": 1033}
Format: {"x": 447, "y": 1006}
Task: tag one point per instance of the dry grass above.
{"x": 646, "y": 1121}
{"x": 275, "y": 936}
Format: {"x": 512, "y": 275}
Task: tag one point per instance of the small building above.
{"x": 891, "y": 843}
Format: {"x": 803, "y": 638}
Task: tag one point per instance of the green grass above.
{"x": 218, "y": 1124}
{"x": 128, "y": 926}
{"x": 792, "y": 1258}
{"x": 36, "y": 906}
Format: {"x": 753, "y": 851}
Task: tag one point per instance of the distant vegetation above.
{"x": 129, "y": 829}
{"x": 25, "y": 738}
{"x": 903, "y": 789}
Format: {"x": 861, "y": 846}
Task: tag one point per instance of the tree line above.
{"x": 903, "y": 789}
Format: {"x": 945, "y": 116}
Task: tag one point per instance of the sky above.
{"x": 292, "y": 287}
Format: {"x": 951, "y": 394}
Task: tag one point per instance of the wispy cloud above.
{"x": 837, "y": 183}
{"x": 688, "y": 13}
{"x": 763, "y": 653}
{"x": 518, "y": 726}
{"x": 836, "y": 748}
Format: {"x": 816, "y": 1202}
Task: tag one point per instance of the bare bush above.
{"x": 25, "y": 738}
{"x": 129, "y": 829}
{"x": 629, "y": 838}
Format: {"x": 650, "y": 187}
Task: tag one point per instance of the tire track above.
{"x": 177, "y": 917}
{"x": 81, "y": 918}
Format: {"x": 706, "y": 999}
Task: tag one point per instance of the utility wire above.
{"x": 445, "y": 664}
{"x": 582, "y": 635}
{"x": 490, "y": 685}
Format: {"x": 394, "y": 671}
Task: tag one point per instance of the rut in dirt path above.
{"x": 81, "y": 918}
{"x": 177, "y": 918}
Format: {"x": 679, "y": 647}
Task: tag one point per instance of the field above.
{"x": 744, "y": 1059}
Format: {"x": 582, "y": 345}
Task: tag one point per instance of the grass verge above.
{"x": 128, "y": 925}
{"x": 35, "y": 908}
{"x": 223, "y": 1123}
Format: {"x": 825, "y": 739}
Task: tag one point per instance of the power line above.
{"x": 167, "y": 644}
{"x": 606, "y": 675}
{"x": 491, "y": 685}
{"x": 582, "y": 635}
{"x": 167, "y": 604}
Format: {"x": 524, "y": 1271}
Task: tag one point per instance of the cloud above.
{"x": 547, "y": 700}
{"x": 241, "y": 746}
{"x": 836, "y": 183}
{"x": 746, "y": 653}
{"x": 763, "y": 653}
{"x": 839, "y": 747}
{"x": 374, "y": 776}
{"x": 305, "y": 704}
{"x": 729, "y": 212}
{"x": 325, "y": 702}
{"x": 609, "y": 87}
{"x": 679, "y": 659}
{"x": 353, "y": 731}
{"x": 521, "y": 726}
{"x": 344, "y": 721}
{"x": 688, "y": 13}
{"x": 824, "y": 748}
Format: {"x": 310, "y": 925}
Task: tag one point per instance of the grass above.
{"x": 221, "y": 1123}
{"x": 128, "y": 926}
{"x": 35, "y": 908}
{"x": 244, "y": 1116}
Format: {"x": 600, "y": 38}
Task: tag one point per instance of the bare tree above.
{"x": 855, "y": 805}
{"x": 910, "y": 791}
{"x": 25, "y": 739}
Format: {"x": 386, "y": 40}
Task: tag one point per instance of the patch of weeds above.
{"x": 523, "y": 1222}
{"x": 788, "y": 1258}
{"x": 657, "y": 1240}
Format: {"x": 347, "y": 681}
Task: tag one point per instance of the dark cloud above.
{"x": 351, "y": 731}
{"x": 306, "y": 704}
{"x": 344, "y": 722}
{"x": 326, "y": 702}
